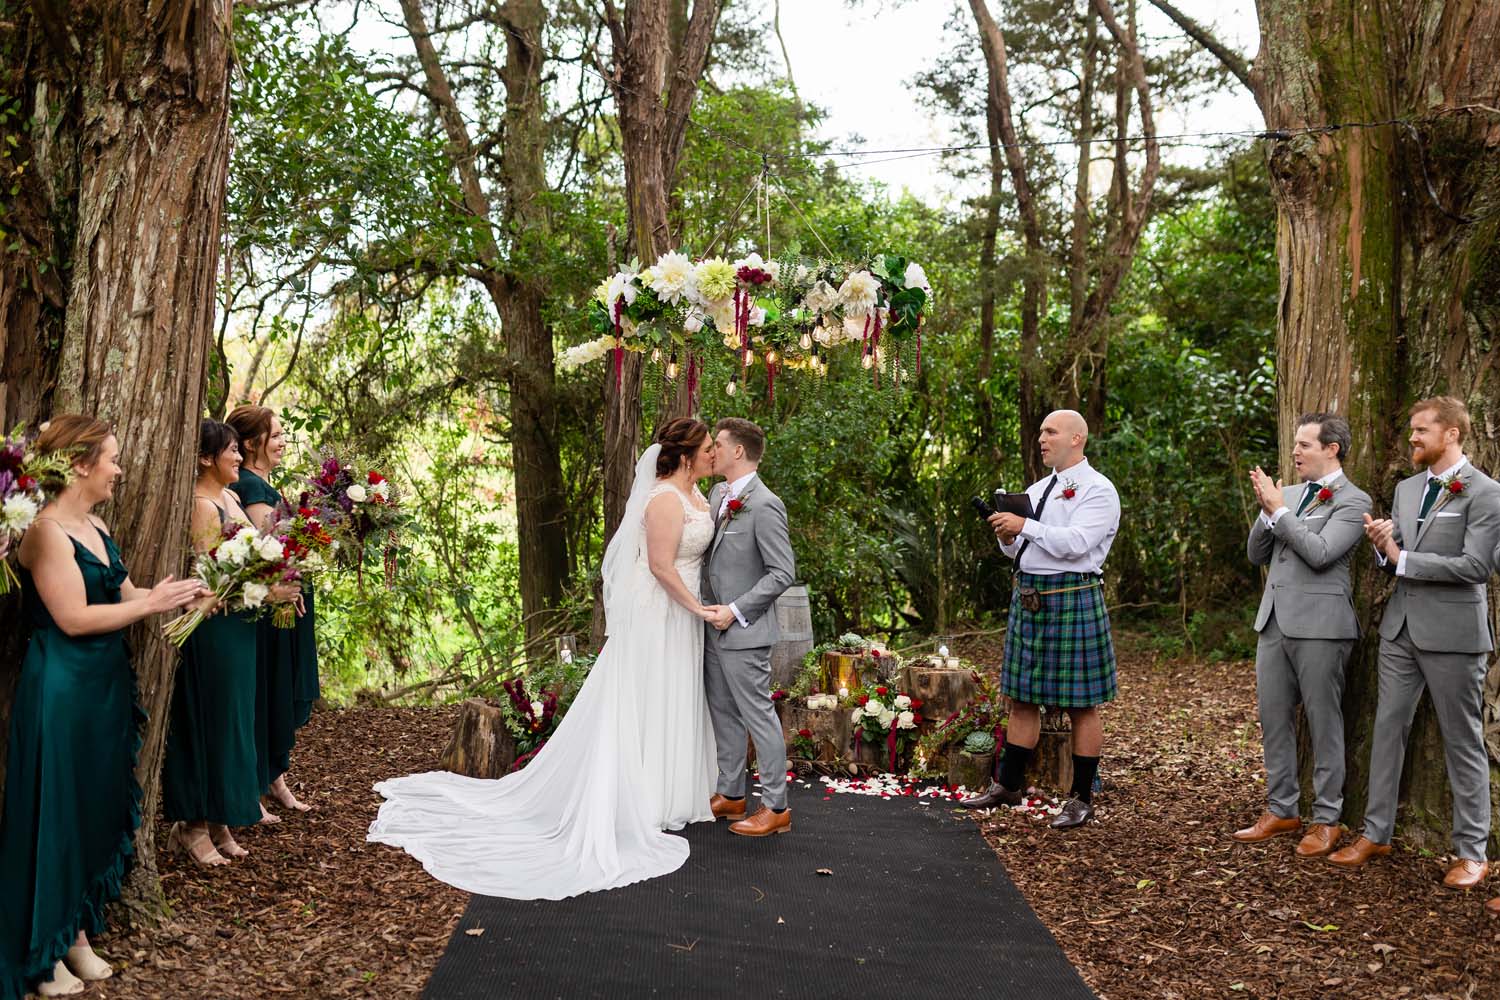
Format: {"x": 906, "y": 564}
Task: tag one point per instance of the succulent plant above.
{"x": 979, "y": 742}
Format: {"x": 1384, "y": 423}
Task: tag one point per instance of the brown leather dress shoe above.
{"x": 764, "y": 823}
{"x": 1267, "y": 826}
{"x": 996, "y": 795}
{"x": 726, "y": 808}
{"x": 1358, "y": 853}
{"x": 1492, "y": 908}
{"x": 1466, "y": 874}
{"x": 1320, "y": 841}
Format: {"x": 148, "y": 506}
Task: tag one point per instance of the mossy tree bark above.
{"x": 119, "y": 110}
{"x": 1388, "y": 239}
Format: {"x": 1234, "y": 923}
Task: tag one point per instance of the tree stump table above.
{"x": 829, "y": 728}
{"x": 941, "y": 690}
{"x": 970, "y": 770}
{"x": 481, "y": 745}
{"x": 1053, "y": 763}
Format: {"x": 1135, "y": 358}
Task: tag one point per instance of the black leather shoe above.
{"x": 996, "y": 795}
{"x": 1075, "y": 812}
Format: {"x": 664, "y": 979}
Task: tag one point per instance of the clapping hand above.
{"x": 1268, "y": 492}
{"x": 1382, "y": 534}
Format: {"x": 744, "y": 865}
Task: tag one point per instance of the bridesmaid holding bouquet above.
{"x": 71, "y": 800}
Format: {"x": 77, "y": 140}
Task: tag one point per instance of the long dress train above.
{"x": 632, "y": 757}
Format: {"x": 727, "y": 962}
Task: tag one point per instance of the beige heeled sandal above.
{"x": 62, "y": 984}
{"x": 87, "y": 965}
{"x": 283, "y": 794}
{"x": 199, "y": 848}
{"x": 225, "y": 842}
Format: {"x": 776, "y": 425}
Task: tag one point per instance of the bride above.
{"x": 633, "y": 756}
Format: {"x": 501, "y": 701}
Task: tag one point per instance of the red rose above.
{"x": 1325, "y": 495}
{"x": 806, "y": 734}
{"x": 916, "y": 703}
{"x": 375, "y": 477}
{"x": 863, "y": 699}
{"x": 880, "y": 691}
{"x": 876, "y": 653}
{"x": 26, "y": 483}
{"x": 778, "y": 695}
{"x": 1069, "y": 493}
{"x": 1455, "y": 487}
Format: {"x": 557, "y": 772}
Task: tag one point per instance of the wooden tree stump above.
{"x": 481, "y": 746}
{"x": 970, "y": 770}
{"x": 829, "y": 726}
{"x": 1053, "y": 764}
{"x": 942, "y": 691}
{"x": 842, "y": 668}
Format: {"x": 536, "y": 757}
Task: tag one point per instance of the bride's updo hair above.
{"x": 679, "y": 439}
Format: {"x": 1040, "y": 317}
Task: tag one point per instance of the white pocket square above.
{"x": 1314, "y": 517}
{"x": 1448, "y": 513}
{"x": 728, "y": 532}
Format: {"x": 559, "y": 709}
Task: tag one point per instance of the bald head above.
{"x": 1063, "y": 437}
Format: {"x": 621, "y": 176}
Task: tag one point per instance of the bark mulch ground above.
{"x": 1152, "y": 902}
{"x": 1155, "y": 902}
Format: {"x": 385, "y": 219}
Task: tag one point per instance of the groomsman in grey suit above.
{"x": 1307, "y": 627}
{"x": 1440, "y": 544}
{"x": 747, "y": 567}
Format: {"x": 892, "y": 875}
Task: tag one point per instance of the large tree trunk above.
{"x": 1388, "y": 282}
{"x": 129, "y": 149}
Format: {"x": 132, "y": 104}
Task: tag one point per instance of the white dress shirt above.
{"x": 1269, "y": 520}
{"x": 1074, "y": 533}
{"x": 735, "y": 489}
{"x": 1453, "y": 470}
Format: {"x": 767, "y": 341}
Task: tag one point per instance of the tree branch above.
{"x": 1231, "y": 60}
{"x": 682, "y": 85}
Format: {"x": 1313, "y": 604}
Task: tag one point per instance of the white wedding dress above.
{"x": 632, "y": 757}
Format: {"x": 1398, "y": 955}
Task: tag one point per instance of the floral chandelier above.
{"x": 787, "y": 314}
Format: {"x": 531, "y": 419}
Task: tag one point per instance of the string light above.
{"x": 655, "y": 355}
{"x": 732, "y": 387}
{"x": 771, "y": 357}
{"x": 749, "y": 357}
{"x": 806, "y": 340}
{"x": 672, "y": 366}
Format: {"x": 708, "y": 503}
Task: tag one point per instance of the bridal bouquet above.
{"x": 23, "y": 474}
{"x": 358, "y": 503}
{"x": 881, "y": 717}
{"x": 239, "y": 573}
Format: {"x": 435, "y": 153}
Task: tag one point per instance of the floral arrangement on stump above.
{"x": 803, "y": 745}
{"x": 26, "y": 479}
{"x": 985, "y": 715}
{"x": 882, "y": 718}
{"x": 531, "y": 721}
{"x": 358, "y": 503}
{"x": 786, "y": 314}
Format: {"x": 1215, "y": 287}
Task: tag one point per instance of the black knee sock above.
{"x": 735, "y": 798}
{"x": 1013, "y": 761}
{"x": 1084, "y": 770}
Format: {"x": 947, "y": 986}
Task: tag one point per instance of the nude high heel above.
{"x": 86, "y": 965}
{"x": 200, "y": 848}
{"x": 225, "y": 842}
{"x": 62, "y": 984}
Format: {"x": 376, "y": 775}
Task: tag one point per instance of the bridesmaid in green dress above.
{"x": 209, "y": 780}
{"x": 287, "y": 664}
{"x": 71, "y": 801}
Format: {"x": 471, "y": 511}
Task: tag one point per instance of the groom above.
{"x": 749, "y": 564}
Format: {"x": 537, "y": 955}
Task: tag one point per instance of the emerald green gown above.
{"x": 71, "y": 800}
{"x": 286, "y": 665}
{"x": 209, "y": 773}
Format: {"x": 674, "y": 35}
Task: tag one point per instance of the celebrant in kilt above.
{"x": 1058, "y": 648}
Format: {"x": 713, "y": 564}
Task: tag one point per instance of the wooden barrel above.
{"x": 794, "y": 621}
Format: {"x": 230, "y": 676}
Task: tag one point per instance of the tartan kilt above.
{"x": 1062, "y": 655}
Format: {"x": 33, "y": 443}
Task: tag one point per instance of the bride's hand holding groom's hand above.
{"x": 717, "y": 615}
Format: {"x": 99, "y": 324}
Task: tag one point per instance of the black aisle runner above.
{"x": 917, "y": 906}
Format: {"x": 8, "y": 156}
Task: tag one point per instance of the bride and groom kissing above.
{"x": 657, "y": 736}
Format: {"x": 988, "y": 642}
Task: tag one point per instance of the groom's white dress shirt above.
{"x": 731, "y": 493}
{"x": 1074, "y": 533}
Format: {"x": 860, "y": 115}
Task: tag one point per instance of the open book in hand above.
{"x": 1014, "y": 503}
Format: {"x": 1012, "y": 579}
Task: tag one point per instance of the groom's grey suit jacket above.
{"x": 1307, "y": 587}
{"x": 1441, "y": 596}
{"x": 749, "y": 563}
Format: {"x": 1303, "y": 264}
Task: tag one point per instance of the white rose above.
{"x": 821, "y": 297}
{"x": 536, "y": 709}
{"x": 269, "y": 549}
{"x": 886, "y": 718}
{"x": 843, "y": 692}
{"x": 903, "y": 702}
{"x": 906, "y": 721}
{"x": 757, "y": 316}
{"x": 358, "y": 494}
{"x": 255, "y": 594}
{"x": 874, "y": 707}
{"x": 693, "y": 321}
{"x": 917, "y": 278}
{"x": 18, "y": 513}
{"x": 857, "y": 715}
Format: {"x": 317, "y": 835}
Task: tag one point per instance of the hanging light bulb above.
{"x": 771, "y": 357}
{"x": 749, "y": 358}
{"x": 868, "y": 361}
{"x": 672, "y": 366}
{"x": 806, "y": 340}
{"x": 732, "y": 387}
{"x": 655, "y": 355}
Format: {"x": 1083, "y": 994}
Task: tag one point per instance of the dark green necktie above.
{"x": 1434, "y": 487}
{"x": 1307, "y": 495}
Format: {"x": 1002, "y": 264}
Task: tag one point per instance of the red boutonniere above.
{"x": 1456, "y": 487}
{"x": 1324, "y": 494}
{"x": 1451, "y": 487}
{"x": 1070, "y": 489}
{"x": 735, "y": 507}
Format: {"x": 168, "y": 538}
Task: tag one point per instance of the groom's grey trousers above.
{"x": 737, "y": 681}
